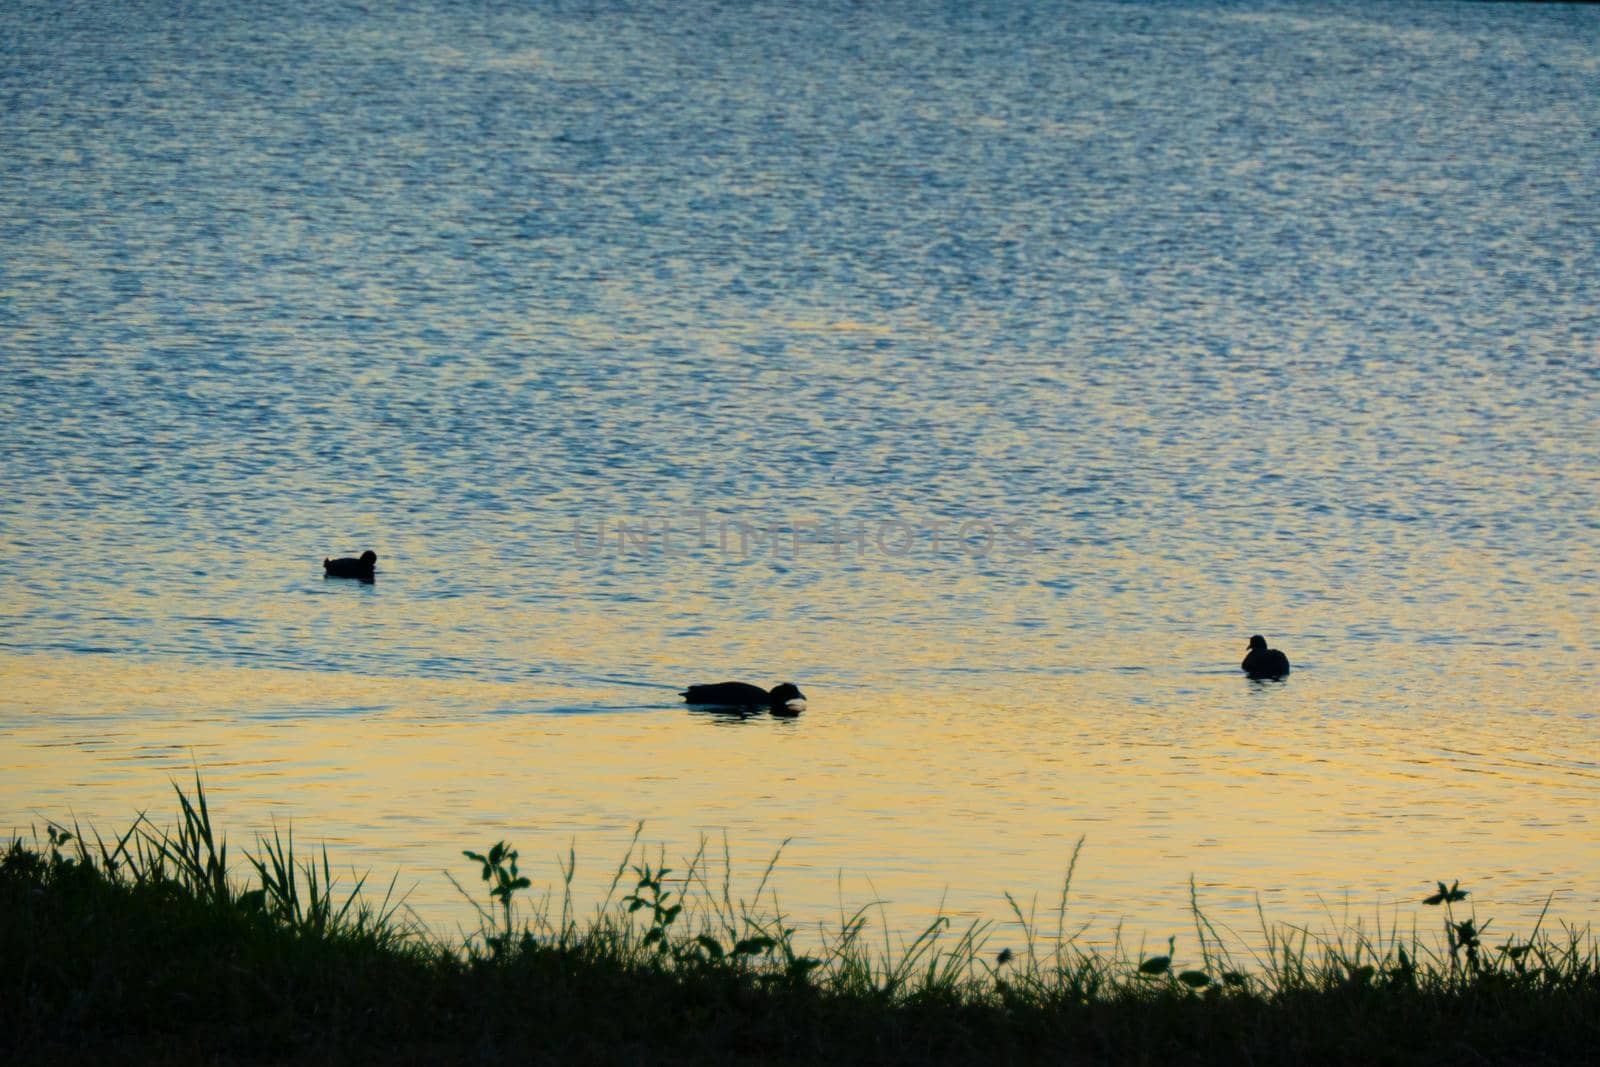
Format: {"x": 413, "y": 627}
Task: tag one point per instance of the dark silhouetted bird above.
{"x": 742, "y": 695}
{"x": 351, "y": 568}
{"x": 1264, "y": 662}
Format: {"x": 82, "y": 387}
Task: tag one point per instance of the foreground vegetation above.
{"x": 149, "y": 948}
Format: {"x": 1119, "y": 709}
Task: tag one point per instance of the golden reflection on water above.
{"x": 917, "y": 799}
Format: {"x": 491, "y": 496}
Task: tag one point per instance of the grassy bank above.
{"x": 151, "y": 947}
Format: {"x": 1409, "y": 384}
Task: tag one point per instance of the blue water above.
{"x": 1073, "y": 343}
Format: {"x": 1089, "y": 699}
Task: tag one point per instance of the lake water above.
{"x": 991, "y": 370}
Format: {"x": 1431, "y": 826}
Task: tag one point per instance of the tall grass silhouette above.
{"x": 157, "y": 933}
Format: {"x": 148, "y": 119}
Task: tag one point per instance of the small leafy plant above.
{"x": 500, "y": 867}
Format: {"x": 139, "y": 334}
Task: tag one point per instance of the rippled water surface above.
{"x": 992, "y": 370}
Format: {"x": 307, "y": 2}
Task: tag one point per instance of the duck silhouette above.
{"x": 1264, "y": 662}
{"x": 361, "y": 568}
{"x": 743, "y": 695}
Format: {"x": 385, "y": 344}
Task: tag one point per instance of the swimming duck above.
{"x": 351, "y": 568}
{"x": 743, "y": 695}
{"x": 1264, "y": 662}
